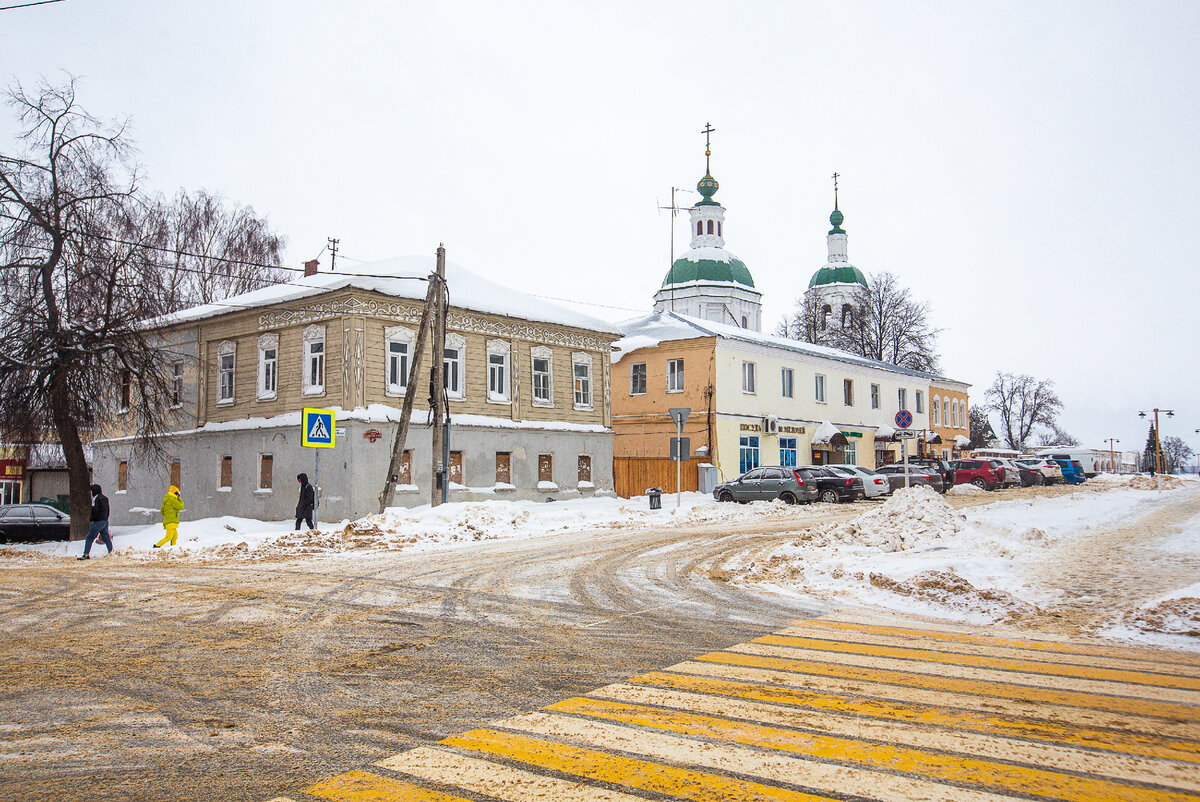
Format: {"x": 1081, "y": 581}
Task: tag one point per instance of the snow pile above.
{"x": 949, "y": 590}
{"x": 1174, "y": 616}
{"x": 911, "y": 516}
{"x": 966, "y": 490}
{"x": 1135, "y": 481}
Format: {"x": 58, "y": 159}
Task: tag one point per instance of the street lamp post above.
{"x": 1112, "y": 460}
{"x": 1158, "y": 441}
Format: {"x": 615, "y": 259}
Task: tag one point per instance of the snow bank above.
{"x": 911, "y": 516}
{"x": 1175, "y": 614}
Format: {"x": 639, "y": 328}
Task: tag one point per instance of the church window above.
{"x": 826, "y": 310}
{"x": 699, "y": 227}
{"x": 745, "y": 322}
{"x": 719, "y": 234}
{"x": 847, "y": 315}
{"x": 710, "y": 226}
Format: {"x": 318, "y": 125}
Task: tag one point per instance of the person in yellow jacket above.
{"x": 172, "y": 505}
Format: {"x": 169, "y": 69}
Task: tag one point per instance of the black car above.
{"x": 767, "y": 484}
{"x": 1030, "y": 476}
{"x": 944, "y": 468}
{"x": 27, "y": 523}
{"x": 917, "y": 475}
{"x": 832, "y": 487}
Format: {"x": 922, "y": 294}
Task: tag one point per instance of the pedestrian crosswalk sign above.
{"x": 316, "y": 428}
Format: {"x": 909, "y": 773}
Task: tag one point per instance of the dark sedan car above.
{"x": 27, "y": 523}
{"x": 832, "y": 487}
{"x": 943, "y": 467}
{"x": 767, "y": 484}
{"x": 917, "y": 475}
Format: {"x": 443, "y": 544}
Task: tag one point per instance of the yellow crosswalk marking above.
{"x": 1055, "y": 757}
{"x": 761, "y": 764}
{"x": 950, "y": 768}
{"x": 1049, "y": 645}
{"x": 933, "y": 715}
{"x": 361, "y": 786}
{"x": 938, "y": 695}
{"x": 1143, "y": 707}
{"x": 809, "y": 630}
{"x": 1002, "y": 663}
{"x": 495, "y": 779}
{"x": 678, "y": 782}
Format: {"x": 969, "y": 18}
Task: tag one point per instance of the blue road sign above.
{"x": 316, "y": 428}
{"x": 904, "y": 419}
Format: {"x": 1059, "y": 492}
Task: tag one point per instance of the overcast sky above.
{"x": 1029, "y": 168}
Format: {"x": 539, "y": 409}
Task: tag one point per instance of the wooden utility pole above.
{"x": 410, "y": 393}
{"x": 437, "y": 382}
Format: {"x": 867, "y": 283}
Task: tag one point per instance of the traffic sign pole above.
{"x": 680, "y": 416}
{"x": 904, "y": 419}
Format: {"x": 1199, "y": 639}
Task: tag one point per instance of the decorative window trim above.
{"x": 227, "y": 348}
{"x": 500, "y": 348}
{"x": 396, "y": 334}
{"x": 546, "y": 353}
{"x": 583, "y": 358}
{"x": 458, "y": 343}
{"x": 178, "y": 363}
{"x": 313, "y": 334}
{"x": 266, "y": 342}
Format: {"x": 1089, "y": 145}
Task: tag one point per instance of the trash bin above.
{"x": 655, "y": 494}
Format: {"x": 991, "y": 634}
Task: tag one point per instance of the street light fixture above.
{"x": 1157, "y": 441}
{"x": 1112, "y": 460}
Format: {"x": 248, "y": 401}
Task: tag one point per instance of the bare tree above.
{"x": 1175, "y": 454}
{"x": 219, "y": 249}
{"x": 78, "y": 279}
{"x": 883, "y": 322}
{"x": 1054, "y": 436}
{"x": 1023, "y": 403}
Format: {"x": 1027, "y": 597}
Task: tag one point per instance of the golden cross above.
{"x": 708, "y": 129}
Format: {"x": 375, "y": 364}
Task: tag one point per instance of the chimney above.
{"x": 310, "y": 267}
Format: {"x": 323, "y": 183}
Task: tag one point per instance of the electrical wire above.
{"x": 27, "y": 5}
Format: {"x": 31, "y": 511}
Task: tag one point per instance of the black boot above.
{"x": 84, "y": 557}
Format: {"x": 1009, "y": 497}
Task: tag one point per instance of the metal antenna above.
{"x": 674, "y": 209}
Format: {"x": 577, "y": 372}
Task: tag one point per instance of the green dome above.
{"x": 847, "y": 274}
{"x": 836, "y": 220}
{"x": 684, "y": 271}
{"x": 707, "y": 187}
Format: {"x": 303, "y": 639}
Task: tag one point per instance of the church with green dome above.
{"x": 708, "y": 281}
{"x": 837, "y": 281}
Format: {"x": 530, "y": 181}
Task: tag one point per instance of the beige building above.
{"x": 526, "y": 382}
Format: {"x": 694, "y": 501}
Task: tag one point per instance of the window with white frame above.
{"x": 848, "y": 392}
{"x": 542, "y": 365}
{"x": 963, "y": 420}
{"x": 581, "y": 365}
{"x": 399, "y": 345}
{"x": 268, "y": 367}
{"x": 902, "y": 398}
{"x": 452, "y": 366}
{"x": 748, "y": 379}
{"x": 498, "y": 371}
{"x": 788, "y": 379}
{"x": 176, "y": 384}
{"x": 936, "y": 410}
{"x": 226, "y": 360}
{"x": 314, "y": 360}
{"x": 874, "y": 396}
{"x": 637, "y": 378}
{"x": 819, "y": 388}
{"x": 919, "y": 398}
{"x": 674, "y": 375}
{"x": 945, "y": 411}
{"x": 954, "y": 413}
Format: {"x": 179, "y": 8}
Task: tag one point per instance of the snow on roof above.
{"x": 664, "y": 326}
{"x": 827, "y": 433}
{"x": 399, "y": 277}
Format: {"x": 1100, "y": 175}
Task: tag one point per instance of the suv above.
{"x": 832, "y": 486}
{"x": 768, "y": 484}
{"x": 940, "y": 465}
{"x": 1048, "y": 468}
{"x": 1072, "y": 471}
{"x": 978, "y": 472}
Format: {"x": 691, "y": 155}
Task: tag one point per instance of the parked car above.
{"x": 1083, "y": 456}
{"x": 943, "y": 467}
{"x": 1072, "y": 471}
{"x": 917, "y": 475}
{"x": 832, "y": 486}
{"x": 1010, "y": 470}
{"x": 1047, "y": 467}
{"x": 768, "y": 484}
{"x": 978, "y": 472}
{"x": 1030, "y": 475}
{"x": 25, "y": 523}
{"x": 874, "y": 484}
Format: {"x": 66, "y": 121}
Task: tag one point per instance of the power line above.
{"x": 27, "y": 5}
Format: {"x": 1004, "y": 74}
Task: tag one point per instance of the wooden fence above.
{"x": 633, "y": 475}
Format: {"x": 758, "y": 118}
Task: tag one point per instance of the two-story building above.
{"x": 527, "y": 385}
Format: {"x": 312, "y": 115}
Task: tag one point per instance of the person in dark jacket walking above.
{"x": 308, "y": 501}
{"x": 99, "y": 523}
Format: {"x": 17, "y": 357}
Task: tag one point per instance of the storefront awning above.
{"x": 885, "y": 432}
{"x": 932, "y": 437}
{"x": 829, "y": 435}
{"x": 961, "y": 442}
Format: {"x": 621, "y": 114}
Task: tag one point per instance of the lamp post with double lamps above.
{"x": 1112, "y": 458}
{"x": 1158, "y": 440}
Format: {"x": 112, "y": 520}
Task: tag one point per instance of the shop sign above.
{"x": 757, "y": 427}
{"x": 12, "y": 470}
{"x": 852, "y": 434}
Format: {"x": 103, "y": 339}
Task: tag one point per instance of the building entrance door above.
{"x": 10, "y": 492}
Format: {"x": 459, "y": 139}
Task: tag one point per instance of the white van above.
{"x": 1081, "y": 455}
